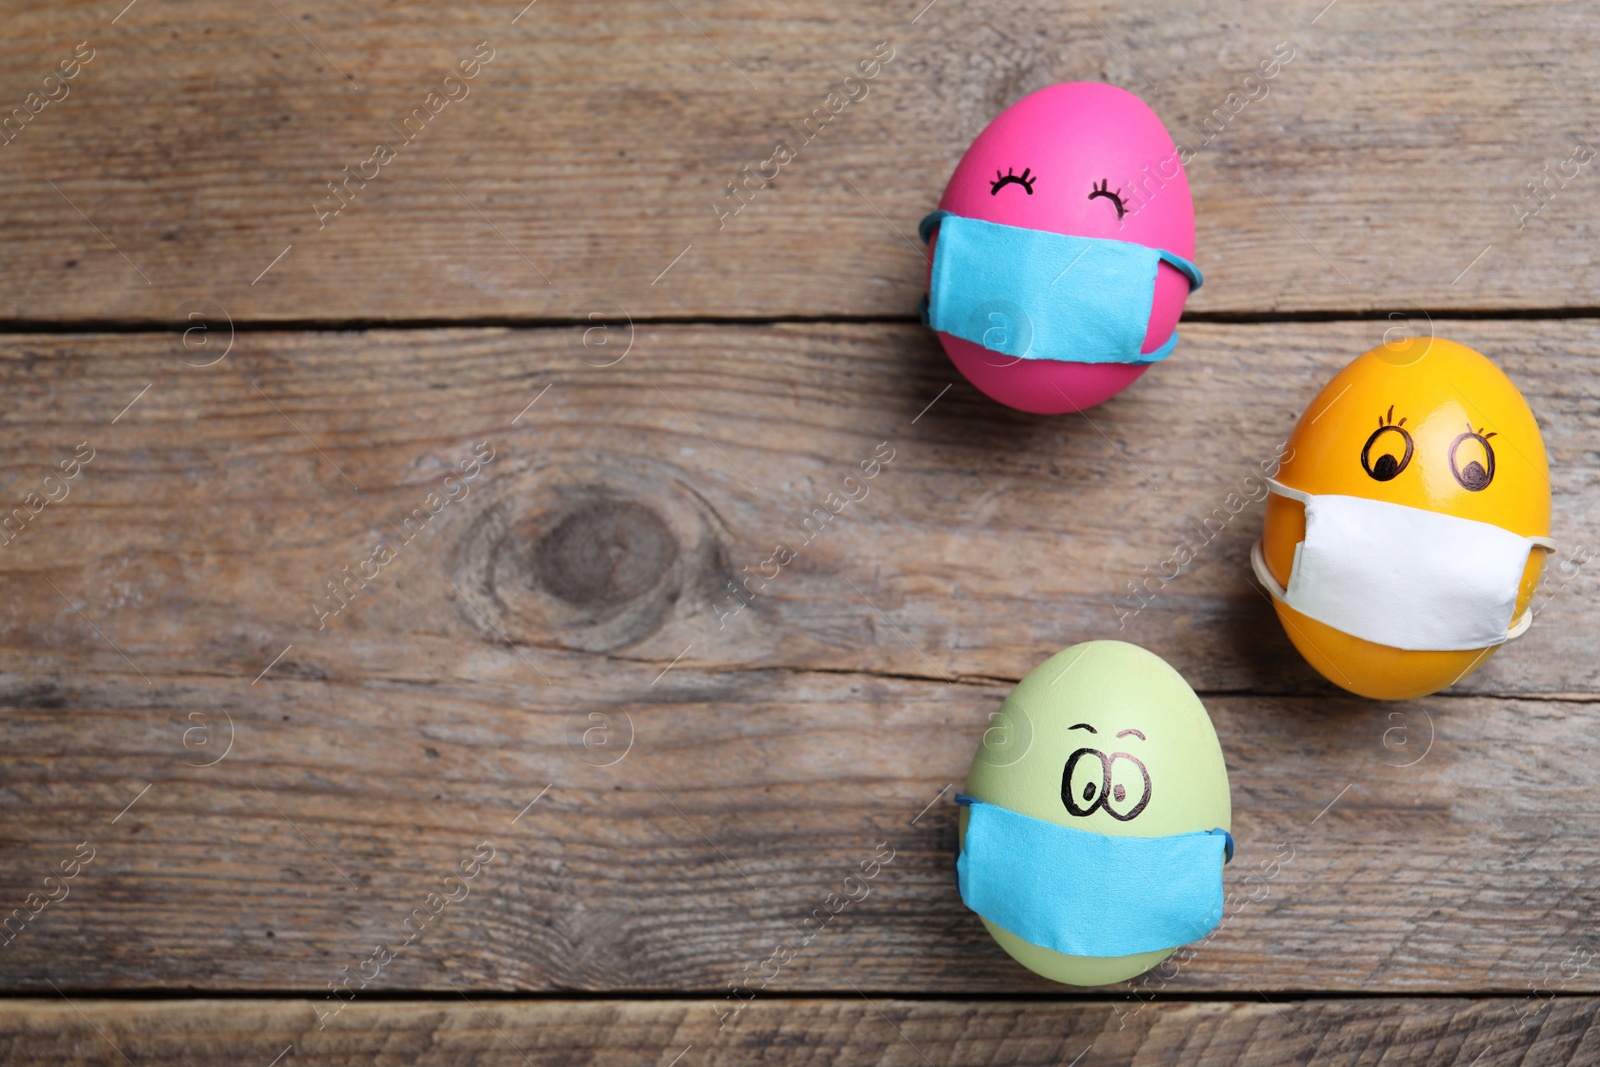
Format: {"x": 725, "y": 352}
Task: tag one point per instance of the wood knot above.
{"x": 603, "y": 555}
{"x": 588, "y": 556}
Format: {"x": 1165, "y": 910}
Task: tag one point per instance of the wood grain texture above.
{"x": 1382, "y": 169}
{"x": 432, "y": 694}
{"x": 606, "y": 537}
{"x": 850, "y": 1033}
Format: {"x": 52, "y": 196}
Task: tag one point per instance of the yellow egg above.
{"x": 1428, "y": 424}
{"x": 1111, "y": 709}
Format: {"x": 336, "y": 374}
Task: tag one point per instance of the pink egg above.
{"x": 1098, "y": 163}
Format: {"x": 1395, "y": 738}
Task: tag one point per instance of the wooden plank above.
{"x": 564, "y": 613}
{"x": 219, "y": 506}
{"x": 1385, "y": 166}
{"x": 1436, "y": 1033}
{"x": 1442, "y": 846}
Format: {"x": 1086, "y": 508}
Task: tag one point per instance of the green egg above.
{"x": 1099, "y": 705}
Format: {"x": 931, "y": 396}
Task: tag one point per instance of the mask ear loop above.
{"x": 1258, "y": 561}
{"x": 1258, "y": 564}
{"x": 1185, "y": 267}
{"x": 925, "y": 229}
{"x": 1525, "y": 620}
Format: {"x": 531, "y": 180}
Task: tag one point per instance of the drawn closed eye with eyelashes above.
{"x": 1101, "y": 190}
{"x": 1025, "y": 179}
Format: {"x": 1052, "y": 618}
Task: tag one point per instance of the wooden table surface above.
{"x": 223, "y": 787}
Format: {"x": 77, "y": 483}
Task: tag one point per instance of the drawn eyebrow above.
{"x": 1083, "y": 726}
{"x": 1135, "y": 733}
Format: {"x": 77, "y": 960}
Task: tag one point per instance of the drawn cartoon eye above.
{"x": 1085, "y": 781}
{"x": 1025, "y": 179}
{"x": 1115, "y": 198}
{"x": 1390, "y": 437}
{"x": 1474, "y": 447}
{"x": 1130, "y": 787}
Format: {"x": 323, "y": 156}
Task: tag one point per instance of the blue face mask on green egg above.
{"x": 1034, "y": 294}
{"x": 1089, "y": 894}
{"x": 1095, "y": 821}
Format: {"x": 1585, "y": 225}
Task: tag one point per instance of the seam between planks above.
{"x": 970, "y": 680}
{"x": 177, "y": 995}
{"x": 90, "y": 326}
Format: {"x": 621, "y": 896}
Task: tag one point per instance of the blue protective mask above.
{"x": 1087, "y": 894}
{"x": 1033, "y": 294}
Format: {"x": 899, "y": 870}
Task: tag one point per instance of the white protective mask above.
{"x": 1401, "y": 576}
